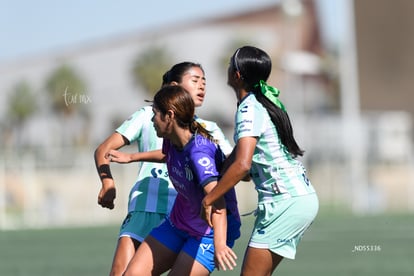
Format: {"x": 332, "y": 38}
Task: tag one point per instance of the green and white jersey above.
{"x": 153, "y": 191}
{"x": 274, "y": 172}
{"x": 217, "y": 133}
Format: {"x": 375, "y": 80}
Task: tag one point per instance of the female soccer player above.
{"x": 265, "y": 149}
{"x": 184, "y": 243}
{"x": 152, "y": 196}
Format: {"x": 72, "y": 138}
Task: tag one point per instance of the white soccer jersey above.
{"x": 275, "y": 173}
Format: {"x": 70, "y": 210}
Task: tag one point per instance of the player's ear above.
{"x": 169, "y": 115}
{"x": 174, "y": 83}
{"x": 238, "y": 75}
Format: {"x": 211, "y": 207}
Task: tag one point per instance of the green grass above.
{"x": 77, "y": 251}
{"x": 326, "y": 248}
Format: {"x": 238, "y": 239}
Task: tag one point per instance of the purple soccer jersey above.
{"x": 190, "y": 169}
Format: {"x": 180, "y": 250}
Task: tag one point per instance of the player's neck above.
{"x": 182, "y": 137}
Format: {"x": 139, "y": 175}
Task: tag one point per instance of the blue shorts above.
{"x": 138, "y": 225}
{"x": 201, "y": 250}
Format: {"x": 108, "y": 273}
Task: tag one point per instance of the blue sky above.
{"x": 30, "y": 27}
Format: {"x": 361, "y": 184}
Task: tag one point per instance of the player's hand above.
{"x": 118, "y": 156}
{"x": 224, "y": 257}
{"x": 107, "y": 195}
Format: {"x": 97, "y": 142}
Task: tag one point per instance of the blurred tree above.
{"x": 22, "y": 103}
{"x": 66, "y": 90}
{"x": 148, "y": 68}
{"x": 21, "y": 106}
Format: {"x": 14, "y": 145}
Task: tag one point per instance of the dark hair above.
{"x": 254, "y": 65}
{"x": 177, "y": 71}
{"x": 177, "y": 99}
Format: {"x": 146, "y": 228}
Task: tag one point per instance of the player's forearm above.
{"x": 102, "y": 163}
{"x": 149, "y": 156}
{"x": 227, "y": 162}
{"x": 219, "y": 220}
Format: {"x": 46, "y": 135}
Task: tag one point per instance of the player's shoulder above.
{"x": 146, "y": 109}
{"x": 142, "y": 111}
{"x": 249, "y": 103}
{"x": 249, "y": 99}
{"x": 203, "y": 144}
{"x": 209, "y": 125}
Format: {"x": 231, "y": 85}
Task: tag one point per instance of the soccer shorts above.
{"x": 280, "y": 225}
{"x": 201, "y": 250}
{"x": 138, "y": 225}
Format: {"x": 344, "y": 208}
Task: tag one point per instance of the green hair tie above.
{"x": 272, "y": 93}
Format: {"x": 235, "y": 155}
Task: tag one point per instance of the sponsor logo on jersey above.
{"x": 177, "y": 171}
{"x": 204, "y": 161}
{"x": 156, "y": 173}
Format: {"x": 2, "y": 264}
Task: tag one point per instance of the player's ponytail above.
{"x": 196, "y": 127}
{"x": 254, "y": 66}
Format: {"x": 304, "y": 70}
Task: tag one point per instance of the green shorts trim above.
{"x": 138, "y": 225}
{"x": 280, "y": 225}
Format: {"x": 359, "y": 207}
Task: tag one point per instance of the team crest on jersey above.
{"x": 188, "y": 174}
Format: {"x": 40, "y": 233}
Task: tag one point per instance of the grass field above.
{"x": 340, "y": 245}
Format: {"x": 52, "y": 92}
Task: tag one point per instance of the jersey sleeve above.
{"x": 249, "y": 120}
{"x": 132, "y": 127}
{"x": 204, "y": 163}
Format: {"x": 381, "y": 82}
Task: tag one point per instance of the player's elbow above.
{"x": 96, "y": 153}
{"x": 243, "y": 167}
{"x": 100, "y": 150}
